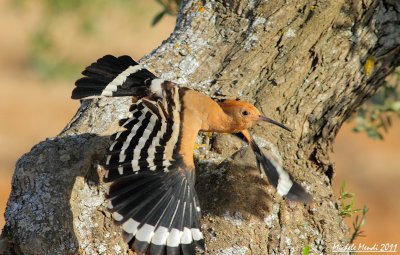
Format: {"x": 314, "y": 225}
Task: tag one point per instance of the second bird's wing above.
{"x": 283, "y": 182}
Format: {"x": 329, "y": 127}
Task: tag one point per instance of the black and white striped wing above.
{"x": 113, "y": 76}
{"x": 284, "y": 183}
{"x": 152, "y": 193}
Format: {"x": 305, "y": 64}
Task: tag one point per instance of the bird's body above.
{"x": 150, "y": 163}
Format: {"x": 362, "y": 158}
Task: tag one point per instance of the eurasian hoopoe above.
{"x": 150, "y": 163}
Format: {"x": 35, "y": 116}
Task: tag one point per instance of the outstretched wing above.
{"x": 152, "y": 192}
{"x": 113, "y": 76}
{"x": 283, "y": 182}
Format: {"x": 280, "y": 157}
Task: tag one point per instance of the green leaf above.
{"x": 348, "y": 195}
{"x": 373, "y": 117}
{"x": 343, "y": 187}
{"x": 306, "y": 250}
{"x": 158, "y": 17}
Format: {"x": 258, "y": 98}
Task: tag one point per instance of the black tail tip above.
{"x": 298, "y": 194}
{"x": 200, "y": 245}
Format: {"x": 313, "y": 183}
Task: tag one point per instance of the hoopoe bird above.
{"x": 150, "y": 163}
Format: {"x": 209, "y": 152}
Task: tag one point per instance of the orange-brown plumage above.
{"x": 202, "y": 113}
{"x": 243, "y": 114}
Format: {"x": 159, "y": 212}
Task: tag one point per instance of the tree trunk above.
{"x": 308, "y": 64}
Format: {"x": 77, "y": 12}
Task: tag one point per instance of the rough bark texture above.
{"x": 301, "y": 62}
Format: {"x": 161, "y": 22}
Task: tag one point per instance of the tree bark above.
{"x": 308, "y": 64}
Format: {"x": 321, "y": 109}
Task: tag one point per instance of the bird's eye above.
{"x": 245, "y": 113}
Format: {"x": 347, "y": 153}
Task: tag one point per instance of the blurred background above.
{"x": 46, "y": 43}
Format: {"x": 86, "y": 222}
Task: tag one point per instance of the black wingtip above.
{"x": 173, "y": 250}
{"x": 157, "y": 249}
{"x": 200, "y": 245}
{"x": 125, "y": 80}
{"x": 140, "y": 247}
{"x": 84, "y": 93}
{"x": 298, "y": 194}
{"x": 127, "y": 237}
{"x": 188, "y": 249}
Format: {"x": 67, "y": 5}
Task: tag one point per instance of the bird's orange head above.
{"x": 245, "y": 115}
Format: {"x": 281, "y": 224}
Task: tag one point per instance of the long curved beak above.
{"x": 266, "y": 119}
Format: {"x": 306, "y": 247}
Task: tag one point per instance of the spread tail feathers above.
{"x": 283, "y": 182}
{"x": 158, "y": 211}
{"x": 111, "y": 76}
